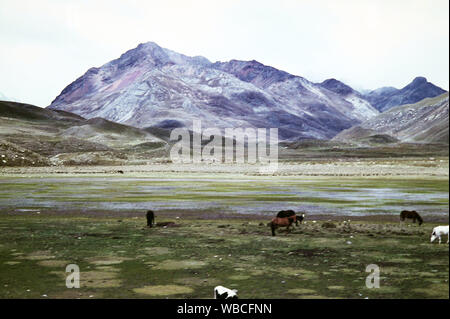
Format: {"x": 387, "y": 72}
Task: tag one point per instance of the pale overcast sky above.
{"x": 47, "y": 44}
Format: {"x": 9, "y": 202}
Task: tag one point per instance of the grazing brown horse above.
{"x": 291, "y": 213}
{"x": 282, "y": 222}
{"x": 287, "y": 213}
{"x": 411, "y": 214}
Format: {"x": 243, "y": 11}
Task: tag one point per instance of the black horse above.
{"x": 289, "y": 213}
{"x": 411, "y": 215}
{"x": 150, "y": 218}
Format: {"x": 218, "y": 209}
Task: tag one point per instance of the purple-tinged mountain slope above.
{"x": 152, "y": 86}
{"x": 385, "y": 98}
{"x": 422, "y": 122}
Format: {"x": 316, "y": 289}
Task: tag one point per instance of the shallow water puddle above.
{"x": 245, "y": 196}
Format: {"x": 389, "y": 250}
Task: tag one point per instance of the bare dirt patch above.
{"x": 163, "y": 290}
{"x": 105, "y": 261}
{"x": 53, "y": 263}
{"x": 156, "y": 251}
{"x": 301, "y": 273}
{"x": 301, "y": 291}
{"x": 336, "y": 287}
{"x": 193, "y": 281}
{"x": 95, "y": 279}
{"x": 239, "y": 277}
{"x": 38, "y": 255}
{"x": 107, "y": 268}
{"x": 17, "y": 254}
{"x": 180, "y": 264}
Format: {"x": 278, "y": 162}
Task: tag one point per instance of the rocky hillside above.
{"x": 30, "y": 135}
{"x": 362, "y": 108}
{"x": 423, "y": 122}
{"x": 150, "y": 86}
{"x": 385, "y": 98}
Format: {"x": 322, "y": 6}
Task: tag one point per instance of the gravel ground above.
{"x": 438, "y": 167}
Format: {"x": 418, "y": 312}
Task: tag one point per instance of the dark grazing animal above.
{"x": 282, "y": 222}
{"x": 150, "y": 218}
{"x": 411, "y": 214}
{"x": 289, "y": 213}
{"x": 285, "y": 213}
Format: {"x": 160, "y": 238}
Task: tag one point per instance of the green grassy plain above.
{"x": 121, "y": 258}
{"x": 50, "y": 220}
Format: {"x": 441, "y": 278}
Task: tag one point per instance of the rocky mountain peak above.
{"x": 337, "y": 87}
{"x": 254, "y": 72}
{"x": 149, "y": 52}
{"x": 419, "y": 80}
{"x": 417, "y": 90}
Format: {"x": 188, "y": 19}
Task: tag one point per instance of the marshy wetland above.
{"x": 219, "y": 234}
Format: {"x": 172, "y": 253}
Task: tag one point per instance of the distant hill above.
{"x": 387, "y": 97}
{"x": 60, "y": 137}
{"x": 424, "y": 122}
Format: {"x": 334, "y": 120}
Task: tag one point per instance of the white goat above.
{"x": 221, "y": 292}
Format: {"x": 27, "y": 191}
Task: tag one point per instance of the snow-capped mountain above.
{"x": 152, "y": 86}
{"x": 387, "y": 97}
